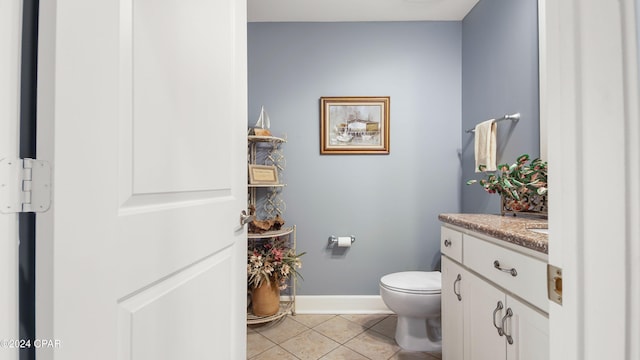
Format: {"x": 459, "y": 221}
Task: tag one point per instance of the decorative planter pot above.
{"x": 535, "y": 204}
{"x": 265, "y": 299}
{"x": 518, "y": 206}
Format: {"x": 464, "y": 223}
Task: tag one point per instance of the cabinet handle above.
{"x": 504, "y": 329}
{"x": 458, "y": 279}
{"x": 512, "y": 271}
{"x": 447, "y": 243}
{"x": 498, "y": 308}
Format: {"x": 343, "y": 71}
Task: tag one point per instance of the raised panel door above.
{"x": 453, "y": 297}
{"x": 142, "y": 114}
{"x": 484, "y": 307}
{"x": 530, "y": 332}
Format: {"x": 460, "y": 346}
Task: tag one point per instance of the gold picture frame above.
{"x": 263, "y": 175}
{"x": 354, "y": 125}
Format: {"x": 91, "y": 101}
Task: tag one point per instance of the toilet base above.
{"x": 418, "y": 334}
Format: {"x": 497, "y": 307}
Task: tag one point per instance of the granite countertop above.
{"x": 513, "y": 229}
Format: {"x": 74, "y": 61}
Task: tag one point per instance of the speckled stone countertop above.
{"x": 513, "y": 229}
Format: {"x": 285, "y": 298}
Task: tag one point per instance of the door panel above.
{"x": 154, "y": 308}
{"x": 143, "y": 117}
{"x": 530, "y": 331}
{"x": 180, "y": 84}
{"x": 453, "y": 309}
{"x": 482, "y": 341}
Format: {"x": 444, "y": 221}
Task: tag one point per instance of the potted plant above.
{"x": 270, "y": 265}
{"x": 522, "y": 185}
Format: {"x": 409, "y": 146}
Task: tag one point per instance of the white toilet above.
{"x": 415, "y": 297}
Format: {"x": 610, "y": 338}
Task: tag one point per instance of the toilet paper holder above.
{"x": 333, "y": 240}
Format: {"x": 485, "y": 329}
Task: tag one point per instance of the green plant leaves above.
{"x": 516, "y": 181}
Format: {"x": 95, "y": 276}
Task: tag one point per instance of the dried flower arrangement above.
{"x": 272, "y": 260}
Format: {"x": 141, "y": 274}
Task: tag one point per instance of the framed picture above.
{"x": 354, "y": 125}
{"x": 263, "y": 175}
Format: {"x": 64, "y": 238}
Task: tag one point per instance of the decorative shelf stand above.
{"x": 286, "y": 306}
{"x": 267, "y": 202}
{"x": 267, "y": 150}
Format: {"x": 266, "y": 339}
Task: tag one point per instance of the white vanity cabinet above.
{"x": 493, "y": 301}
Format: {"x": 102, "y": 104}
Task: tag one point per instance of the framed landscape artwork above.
{"x": 354, "y": 125}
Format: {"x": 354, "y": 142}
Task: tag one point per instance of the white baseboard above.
{"x": 341, "y": 304}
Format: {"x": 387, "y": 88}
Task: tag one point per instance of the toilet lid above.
{"x": 419, "y": 282}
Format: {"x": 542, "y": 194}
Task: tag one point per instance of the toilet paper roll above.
{"x": 344, "y": 241}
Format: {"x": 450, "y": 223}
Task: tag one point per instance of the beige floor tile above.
{"x": 266, "y": 325}
{"x": 373, "y": 345}
{"x": 410, "y": 355}
{"x": 339, "y": 329}
{"x": 275, "y": 353}
{"x": 281, "y": 331}
{"x": 257, "y": 343}
{"x": 366, "y": 320}
{"x": 387, "y": 327}
{"x": 310, "y": 345}
{"x": 298, "y": 341}
{"x": 312, "y": 320}
{"x": 343, "y": 353}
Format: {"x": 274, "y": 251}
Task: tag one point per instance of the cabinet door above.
{"x": 529, "y": 330}
{"x": 453, "y": 297}
{"x": 484, "y": 308}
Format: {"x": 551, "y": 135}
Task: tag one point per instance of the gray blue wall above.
{"x": 443, "y": 78}
{"x": 499, "y": 76}
{"x": 389, "y": 202}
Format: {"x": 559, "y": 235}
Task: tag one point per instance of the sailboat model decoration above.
{"x": 263, "y": 120}
{"x": 262, "y": 125}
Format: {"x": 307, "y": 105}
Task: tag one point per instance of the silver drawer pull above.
{"x": 498, "y": 308}
{"x": 504, "y": 329}
{"x": 447, "y": 243}
{"x": 512, "y": 271}
{"x": 458, "y": 279}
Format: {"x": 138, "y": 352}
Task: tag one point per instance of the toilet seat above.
{"x": 413, "y": 282}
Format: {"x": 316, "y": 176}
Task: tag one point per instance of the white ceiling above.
{"x": 357, "y": 10}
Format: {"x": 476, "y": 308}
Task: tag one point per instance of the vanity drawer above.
{"x": 521, "y": 275}
{"x": 451, "y": 243}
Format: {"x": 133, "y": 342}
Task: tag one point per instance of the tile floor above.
{"x": 329, "y": 337}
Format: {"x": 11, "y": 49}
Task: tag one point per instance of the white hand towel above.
{"x": 485, "y": 145}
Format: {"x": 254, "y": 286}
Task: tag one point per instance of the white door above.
{"x": 10, "y": 37}
{"x": 593, "y": 111}
{"x": 142, "y": 114}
